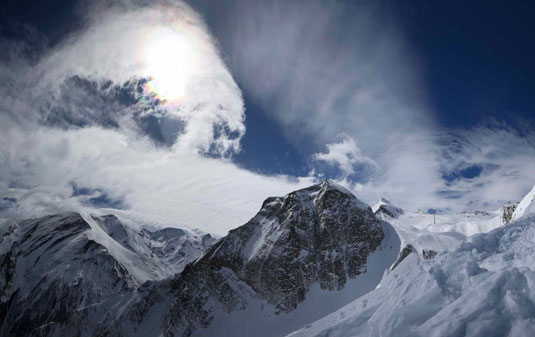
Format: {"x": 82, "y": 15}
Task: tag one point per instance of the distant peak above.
{"x": 384, "y": 209}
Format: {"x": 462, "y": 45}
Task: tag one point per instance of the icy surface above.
{"x": 441, "y": 232}
{"x": 526, "y": 206}
{"x": 62, "y": 275}
{"x": 484, "y": 287}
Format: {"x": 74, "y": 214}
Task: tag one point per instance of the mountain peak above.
{"x": 385, "y": 210}
{"x": 314, "y": 239}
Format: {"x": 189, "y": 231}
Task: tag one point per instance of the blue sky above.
{"x": 428, "y": 104}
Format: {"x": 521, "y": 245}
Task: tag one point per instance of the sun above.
{"x": 171, "y": 62}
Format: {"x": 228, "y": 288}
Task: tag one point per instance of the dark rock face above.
{"x": 406, "y": 251}
{"x": 321, "y": 234}
{"x": 508, "y": 210}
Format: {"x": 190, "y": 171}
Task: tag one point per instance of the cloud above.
{"x": 157, "y": 185}
{"x": 347, "y": 156}
{"x": 475, "y": 168}
{"x": 322, "y": 68}
{"x": 123, "y": 43}
{"x": 94, "y": 122}
{"x": 87, "y": 124}
{"x": 325, "y": 68}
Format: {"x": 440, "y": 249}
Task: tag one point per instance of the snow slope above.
{"x": 64, "y": 274}
{"x": 526, "y": 206}
{"x": 484, "y": 287}
{"x": 442, "y": 231}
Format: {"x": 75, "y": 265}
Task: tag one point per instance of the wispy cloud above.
{"x": 87, "y": 123}
{"x": 161, "y": 186}
{"x": 322, "y": 69}
{"x": 347, "y": 156}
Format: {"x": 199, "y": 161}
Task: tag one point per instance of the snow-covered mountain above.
{"x": 302, "y": 256}
{"x": 485, "y": 287}
{"x": 64, "y": 273}
{"x": 384, "y": 209}
{"x": 316, "y": 262}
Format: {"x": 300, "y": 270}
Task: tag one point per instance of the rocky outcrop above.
{"x": 406, "y": 251}
{"x": 507, "y": 212}
{"x": 429, "y": 254}
{"x": 385, "y": 210}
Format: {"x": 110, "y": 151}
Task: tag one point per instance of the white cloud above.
{"x": 42, "y": 165}
{"x": 346, "y": 155}
{"x": 159, "y": 186}
{"x": 121, "y": 43}
{"x": 427, "y": 171}
{"x": 325, "y": 68}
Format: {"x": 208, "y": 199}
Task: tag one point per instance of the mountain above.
{"x": 384, "y": 209}
{"x": 63, "y": 274}
{"x": 302, "y": 256}
{"x": 316, "y": 262}
{"x": 484, "y": 286}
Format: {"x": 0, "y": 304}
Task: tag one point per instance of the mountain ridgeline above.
{"x": 77, "y": 275}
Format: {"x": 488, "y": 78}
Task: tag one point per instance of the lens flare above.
{"x": 171, "y": 62}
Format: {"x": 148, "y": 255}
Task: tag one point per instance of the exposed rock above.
{"x": 408, "y": 249}
{"x": 429, "y": 254}
{"x": 507, "y": 212}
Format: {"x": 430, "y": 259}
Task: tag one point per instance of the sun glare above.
{"x": 171, "y": 62}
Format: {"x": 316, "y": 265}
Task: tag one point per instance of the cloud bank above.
{"x": 328, "y": 68}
